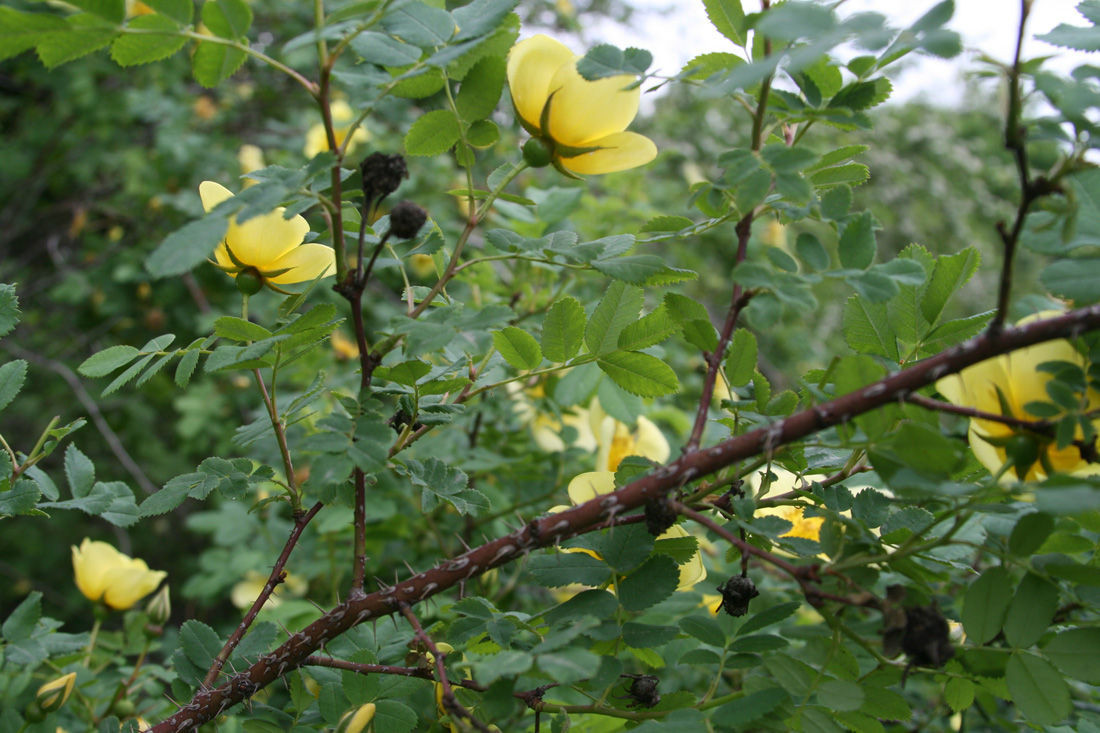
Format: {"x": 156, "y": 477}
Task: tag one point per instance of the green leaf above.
{"x": 518, "y": 347}
{"x": 211, "y": 64}
{"x": 563, "y": 330}
{"x": 851, "y": 173}
{"x": 200, "y": 643}
{"x": 666, "y": 223}
{"x": 559, "y": 569}
{"x": 185, "y": 248}
{"x": 652, "y": 329}
{"x": 440, "y": 482}
{"x": 186, "y": 367}
{"x": 950, "y": 274}
{"x": 24, "y": 619}
{"x": 642, "y": 270}
{"x": 867, "y": 330}
{"x": 737, "y": 714}
{"x": 857, "y": 241}
{"x": 21, "y": 31}
{"x": 1037, "y": 689}
{"x": 705, "y": 629}
{"x": 841, "y": 694}
{"x": 728, "y": 18}
{"x": 407, "y": 373}
{"x": 1074, "y": 279}
{"x": 909, "y": 521}
{"x": 861, "y": 95}
{"x": 741, "y": 362}
{"x": 113, "y": 11}
{"x": 1030, "y": 532}
{"x": 20, "y": 499}
{"x": 639, "y": 374}
{"x": 619, "y": 306}
{"x": 420, "y": 25}
{"x": 985, "y": 605}
{"x": 481, "y": 17}
{"x": 625, "y": 547}
{"x": 481, "y": 88}
{"x": 1075, "y": 651}
{"x": 79, "y": 472}
{"x": 161, "y": 41}
{"x": 434, "y": 133}
{"x": 769, "y": 616}
{"x": 87, "y": 33}
{"x": 9, "y": 307}
{"x": 650, "y": 584}
{"x": 180, "y": 10}
{"x": 959, "y": 693}
{"x": 1073, "y": 36}
{"x": 954, "y": 332}
{"x": 229, "y": 19}
{"x": 12, "y": 375}
{"x": 885, "y": 703}
{"x": 1031, "y": 611}
{"x": 238, "y": 329}
{"x": 382, "y": 49}
{"x": 606, "y": 60}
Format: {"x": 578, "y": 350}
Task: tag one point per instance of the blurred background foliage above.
{"x": 98, "y": 165}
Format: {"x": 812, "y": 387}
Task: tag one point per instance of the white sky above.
{"x": 683, "y": 32}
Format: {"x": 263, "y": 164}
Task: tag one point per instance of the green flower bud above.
{"x": 250, "y": 281}
{"x": 537, "y": 153}
{"x": 159, "y": 607}
{"x": 52, "y": 695}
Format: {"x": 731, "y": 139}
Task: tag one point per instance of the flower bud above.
{"x": 356, "y": 721}
{"x": 382, "y": 174}
{"x": 159, "y": 607}
{"x": 537, "y": 153}
{"x": 52, "y": 695}
{"x": 406, "y": 219}
{"x": 249, "y": 281}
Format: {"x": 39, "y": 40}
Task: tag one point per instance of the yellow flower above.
{"x": 616, "y": 440}
{"x": 802, "y": 526}
{"x": 105, "y": 574}
{"x": 245, "y": 593}
{"x": 342, "y": 117}
{"x": 52, "y": 695}
{"x": 588, "y": 486}
{"x": 1015, "y": 378}
{"x": 547, "y": 429}
{"x": 269, "y": 246}
{"x": 581, "y": 123}
{"x": 251, "y": 159}
{"x": 356, "y": 721}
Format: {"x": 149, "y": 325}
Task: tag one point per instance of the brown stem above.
{"x": 280, "y": 436}
{"x": 1037, "y": 426}
{"x": 277, "y": 576}
{"x": 548, "y": 530}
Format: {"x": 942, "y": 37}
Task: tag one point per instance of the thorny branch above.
{"x": 547, "y": 530}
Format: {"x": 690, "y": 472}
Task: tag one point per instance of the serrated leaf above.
{"x": 12, "y": 375}
{"x": 737, "y": 714}
{"x": 565, "y": 568}
{"x": 159, "y": 42}
{"x": 1037, "y": 689}
{"x": 186, "y": 367}
{"x": 642, "y": 270}
{"x": 179, "y": 10}
{"x": 1074, "y": 651}
{"x": 229, "y": 19}
{"x": 383, "y": 49}
{"x": 518, "y": 347}
{"x": 857, "y": 242}
{"x": 238, "y": 329}
{"x": 728, "y": 18}
{"x": 407, "y": 373}
{"x": 420, "y": 25}
{"x": 861, "y": 95}
{"x": 211, "y": 64}
{"x": 20, "y": 499}
{"x": 606, "y": 60}
{"x": 21, "y": 31}
{"x": 391, "y": 716}
{"x": 87, "y": 33}
{"x": 1073, "y": 36}
{"x": 741, "y": 361}
{"x": 851, "y": 173}
{"x": 481, "y": 89}
{"x": 985, "y": 605}
{"x": 187, "y": 247}
{"x": 650, "y": 584}
{"x": 79, "y": 472}
{"x": 954, "y": 332}
{"x": 122, "y": 379}
{"x": 22, "y": 622}
{"x": 619, "y": 306}
{"x": 200, "y": 643}
{"x": 667, "y": 224}
{"x": 769, "y": 616}
{"x": 651, "y": 329}
{"x": 563, "y": 330}
{"x": 867, "y": 330}
{"x": 639, "y": 374}
{"x": 1074, "y": 279}
{"x": 950, "y": 273}
{"x": 434, "y": 133}
{"x": 705, "y": 629}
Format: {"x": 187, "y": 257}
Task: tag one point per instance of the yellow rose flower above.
{"x": 588, "y": 486}
{"x": 105, "y": 574}
{"x": 357, "y": 720}
{"x": 268, "y": 246}
{"x": 546, "y": 428}
{"x": 582, "y": 123}
{"x": 1015, "y": 378}
{"x": 616, "y": 440}
{"x": 245, "y": 593}
{"x": 52, "y": 695}
{"x": 801, "y": 526}
{"x": 342, "y": 117}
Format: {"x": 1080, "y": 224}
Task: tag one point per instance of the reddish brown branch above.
{"x": 547, "y": 530}
{"x": 1037, "y": 426}
{"x": 278, "y": 575}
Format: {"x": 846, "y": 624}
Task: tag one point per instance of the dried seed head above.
{"x": 382, "y": 174}
{"x": 736, "y": 594}
{"x": 659, "y": 516}
{"x": 406, "y": 219}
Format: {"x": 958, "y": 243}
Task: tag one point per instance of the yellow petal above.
{"x": 262, "y": 240}
{"x": 131, "y": 583}
{"x": 213, "y": 194}
{"x": 588, "y": 486}
{"x": 582, "y": 112}
{"x": 316, "y": 141}
{"x": 650, "y": 442}
{"x": 619, "y": 152}
{"x": 91, "y": 562}
{"x": 531, "y": 65}
{"x": 692, "y": 571}
{"x": 306, "y": 261}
